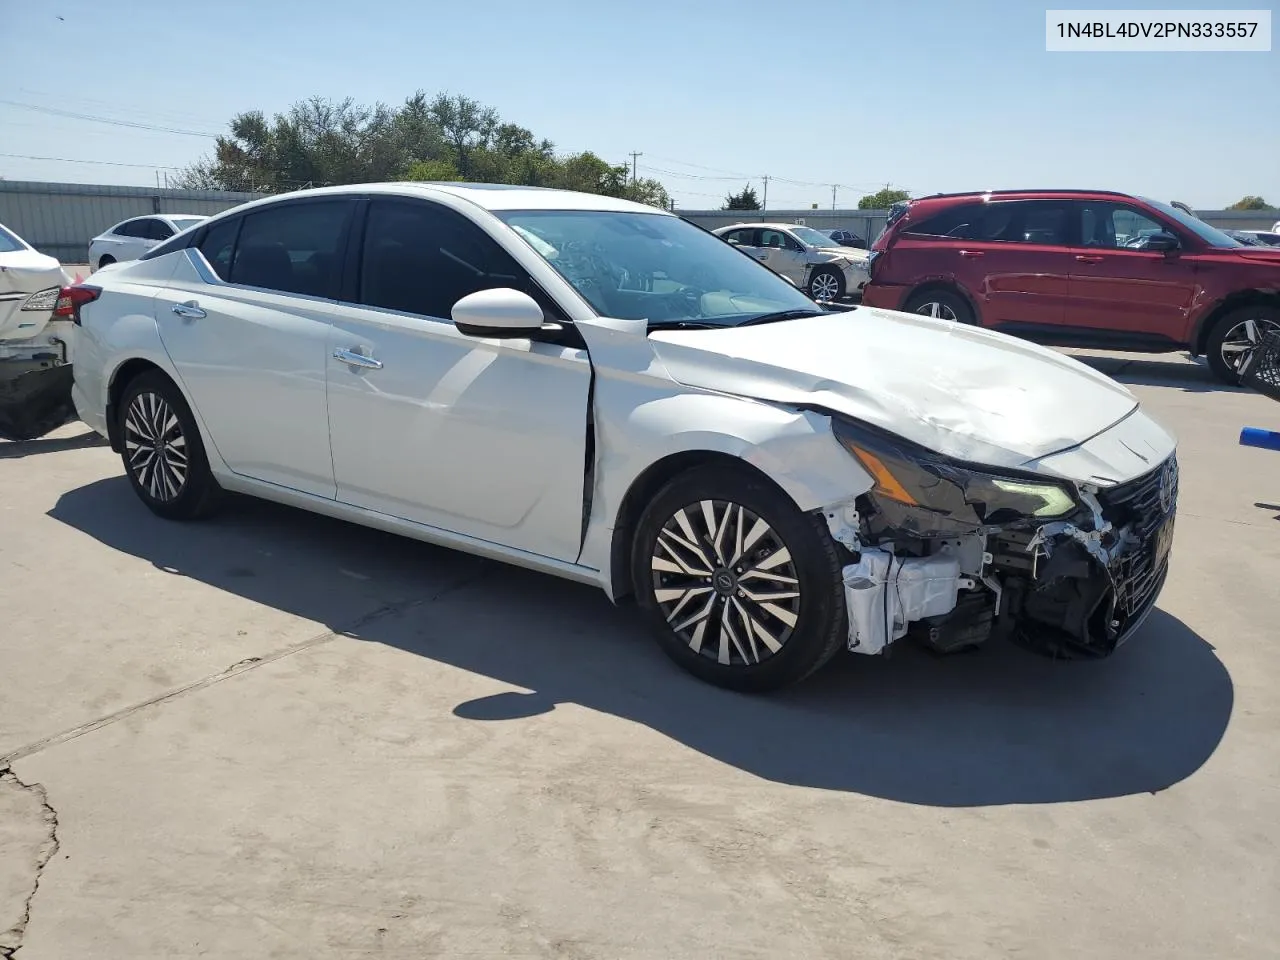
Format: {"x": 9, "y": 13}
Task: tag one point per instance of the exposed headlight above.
{"x": 44, "y": 301}
{"x": 927, "y": 494}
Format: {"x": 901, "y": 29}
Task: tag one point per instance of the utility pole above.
{"x": 764, "y": 202}
{"x": 634, "y": 155}
{"x": 833, "y": 195}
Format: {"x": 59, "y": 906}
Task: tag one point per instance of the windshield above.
{"x": 9, "y": 242}
{"x": 813, "y": 238}
{"x": 655, "y": 267}
{"x": 1210, "y": 235}
{"x": 182, "y": 223}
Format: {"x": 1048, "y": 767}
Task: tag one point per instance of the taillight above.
{"x": 71, "y": 299}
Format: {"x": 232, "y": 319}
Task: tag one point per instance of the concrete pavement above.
{"x": 282, "y": 736}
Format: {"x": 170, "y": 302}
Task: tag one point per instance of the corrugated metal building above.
{"x": 61, "y": 218}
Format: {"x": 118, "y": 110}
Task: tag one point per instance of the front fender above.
{"x": 637, "y": 436}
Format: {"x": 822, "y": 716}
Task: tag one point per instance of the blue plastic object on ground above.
{"x": 1257, "y": 437}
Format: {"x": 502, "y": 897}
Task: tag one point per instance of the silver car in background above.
{"x": 808, "y": 258}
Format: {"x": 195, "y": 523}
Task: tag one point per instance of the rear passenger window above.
{"x": 293, "y": 248}
{"x": 131, "y": 228}
{"x": 422, "y": 258}
{"x": 740, "y": 237}
{"x": 159, "y": 230}
{"x": 218, "y": 245}
{"x": 958, "y": 223}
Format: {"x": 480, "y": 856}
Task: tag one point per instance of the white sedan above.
{"x": 130, "y": 239}
{"x": 813, "y": 261}
{"x": 602, "y": 391}
{"x": 35, "y": 375}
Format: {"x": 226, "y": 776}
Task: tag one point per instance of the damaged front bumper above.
{"x": 1078, "y": 586}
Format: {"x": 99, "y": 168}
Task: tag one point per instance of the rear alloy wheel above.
{"x": 744, "y": 589}
{"x": 826, "y": 284}
{"x": 163, "y": 455}
{"x": 940, "y": 304}
{"x": 1235, "y": 336}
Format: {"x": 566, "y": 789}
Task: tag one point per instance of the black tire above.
{"x": 1225, "y": 329}
{"x": 151, "y": 405}
{"x": 108, "y": 259}
{"x": 808, "y": 629}
{"x": 824, "y": 276}
{"x": 937, "y": 302}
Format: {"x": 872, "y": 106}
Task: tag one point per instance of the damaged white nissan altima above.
{"x": 606, "y": 392}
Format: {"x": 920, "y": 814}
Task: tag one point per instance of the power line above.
{"x": 105, "y": 163}
{"x": 53, "y": 111}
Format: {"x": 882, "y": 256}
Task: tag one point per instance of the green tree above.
{"x": 883, "y": 199}
{"x": 1250, "y": 203}
{"x": 441, "y": 137}
{"x": 746, "y": 200}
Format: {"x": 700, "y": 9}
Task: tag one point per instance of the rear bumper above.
{"x": 885, "y": 296}
{"x": 35, "y": 398}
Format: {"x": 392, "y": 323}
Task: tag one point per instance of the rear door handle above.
{"x": 357, "y": 359}
{"x": 190, "y": 310}
{"x": 971, "y": 253}
{"x": 1088, "y": 258}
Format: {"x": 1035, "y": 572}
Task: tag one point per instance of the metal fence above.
{"x": 61, "y": 218}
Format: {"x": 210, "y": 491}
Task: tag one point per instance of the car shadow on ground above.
{"x": 996, "y": 726}
{"x": 1192, "y": 376}
{"x": 15, "y": 449}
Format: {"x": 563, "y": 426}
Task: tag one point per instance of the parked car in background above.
{"x": 131, "y": 238}
{"x": 35, "y": 371}
{"x": 808, "y": 258}
{"x": 1086, "y": 268}
{"x": 847, "y": 238}
{"x": 606, "y": 392}
{"x": 1255, "y": 238}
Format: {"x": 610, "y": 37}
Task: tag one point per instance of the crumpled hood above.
{"x": 22, "y": 273}
{"x": 959, "y": 390}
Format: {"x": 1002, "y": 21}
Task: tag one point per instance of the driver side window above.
{"x": 1115, "y": 225}
{"x": 421, "y": 258}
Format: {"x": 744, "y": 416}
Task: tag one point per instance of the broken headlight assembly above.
{"x": 925, "y": 494}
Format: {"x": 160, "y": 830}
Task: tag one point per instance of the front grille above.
{"x": 1144, "y": 506}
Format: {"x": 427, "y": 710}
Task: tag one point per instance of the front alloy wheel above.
{"x": 1236, "y": 335}
{"x": 155, "y": 448}
{"x": 725, "y": 582}
{"x": 1242, "y": 339}
{"x": 743, "y": 589}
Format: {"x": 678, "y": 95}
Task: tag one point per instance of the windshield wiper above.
{"x": 684, "y": 325}
{"x": 782, "y": 315}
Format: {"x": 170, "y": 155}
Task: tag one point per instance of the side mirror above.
{"x": 501, "y": 312}
{"x": 1162, "y": 241}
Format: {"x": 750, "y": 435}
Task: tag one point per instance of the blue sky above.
{"x": 929, "y": 96}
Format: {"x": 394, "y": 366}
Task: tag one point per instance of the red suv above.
{"x": 1079, "y": 268}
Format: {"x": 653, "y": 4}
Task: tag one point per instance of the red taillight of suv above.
{"x": 71, "y": 299}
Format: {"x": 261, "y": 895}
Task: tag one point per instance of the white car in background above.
{"x": 130, "y": 239}
{"x": 810, "y": 259}
{"x": 35, "y": 371}
{"x": 606, "y": 392}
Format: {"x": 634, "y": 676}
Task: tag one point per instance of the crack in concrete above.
{"x": 11, "y": 939}
{"x": 243, "y": 666}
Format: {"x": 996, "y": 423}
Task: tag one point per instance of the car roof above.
{"x": 489, "y": 196}
{"x": 1047, "y": 193}
{"x": 766, "y": 225}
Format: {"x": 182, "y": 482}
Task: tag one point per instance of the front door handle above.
{"x": 357, "y": 359}
{"x": 189, "y": 310}
{"x": 1088, "y": 258}
{"x": 972, "y": 254}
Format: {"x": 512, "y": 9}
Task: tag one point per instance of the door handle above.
{"x": 189, "y": 310}
{"x": 971, "y": 254}
{"x": 357, "y": 359}
{"x": 1088, "y": 258}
